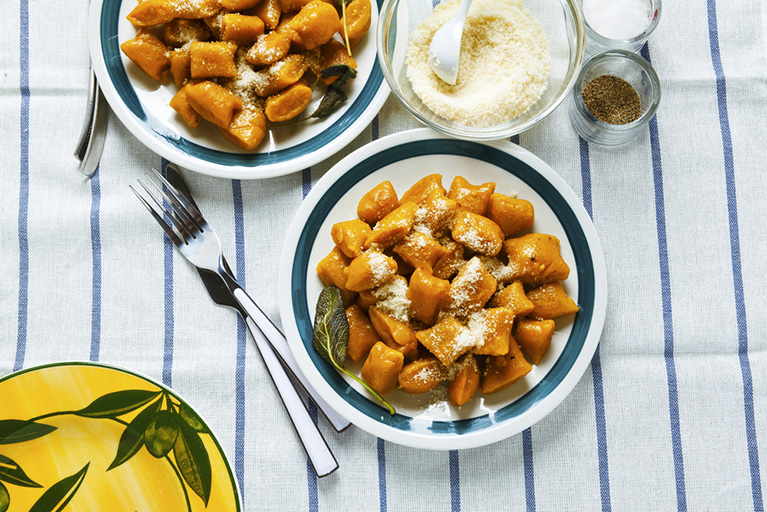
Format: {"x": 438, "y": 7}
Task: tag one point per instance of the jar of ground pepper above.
{"x": 615, "y": 95}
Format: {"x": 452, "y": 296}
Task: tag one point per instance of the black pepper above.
{"x": 612, "y": 100}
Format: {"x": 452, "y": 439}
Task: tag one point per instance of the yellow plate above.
{"x": 100, "y": 438}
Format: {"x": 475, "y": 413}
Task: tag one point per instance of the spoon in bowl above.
{"x": 445, "y": 47}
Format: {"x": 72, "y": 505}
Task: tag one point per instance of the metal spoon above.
{"x": 445, "y": 47}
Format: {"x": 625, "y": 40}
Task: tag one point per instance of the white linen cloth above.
{"x": 672, "y": 414}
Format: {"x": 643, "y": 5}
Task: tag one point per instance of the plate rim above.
{"x": 148, "y": 138}
{"x": 150, "y": 380}
{"x": 442, "y": 441}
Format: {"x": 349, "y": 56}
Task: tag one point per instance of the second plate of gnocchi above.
{"x": 472, "y": 280}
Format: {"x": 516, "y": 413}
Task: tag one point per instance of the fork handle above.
{"x": 314, "y": 443}
{"x": 280, "y": 345}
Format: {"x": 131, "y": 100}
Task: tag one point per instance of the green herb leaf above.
{"x": 193, "y": 461}
{"x": 192, "y": 419}
{"x": 13, "y": 474}
{"x": 343, "y": 4}
{"x": 331, "y": 328}
{"x": 330, "y": 102}
{"x": 59, "y": 495}
{"x": 118, "y": 403}
{"x": 344, "y": 73}
{"x": 331, "y": 335}
{"x": 18, "y": 431}
{"x": 5, "y": 498}
{"x": 132, "y": 437}
{"x": 161, "y": 433}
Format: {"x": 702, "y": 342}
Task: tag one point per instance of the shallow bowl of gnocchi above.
{"x": 472, "y": 283}
{"x": 241, "y": 89}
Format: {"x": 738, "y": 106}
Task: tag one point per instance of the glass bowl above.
{"x": 596, "y": 42}
{"x": 633, "y": 69}
{"x": 563, "y": 25}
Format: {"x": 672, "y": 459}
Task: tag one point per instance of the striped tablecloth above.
{"x": 672, "y": 413}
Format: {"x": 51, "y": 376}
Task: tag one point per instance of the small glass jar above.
{"x": 596, "y": 42}
{"x": 633, "y": 69}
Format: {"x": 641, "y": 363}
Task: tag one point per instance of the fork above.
{"x": 199, "y": 244}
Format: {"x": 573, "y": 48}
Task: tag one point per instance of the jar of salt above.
{"x": 619, "y": 24}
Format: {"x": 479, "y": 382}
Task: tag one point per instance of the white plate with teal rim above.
{"x": 142, "y": 105}
{"x": 96, "y": 437}
{"x": 427, "y": 420}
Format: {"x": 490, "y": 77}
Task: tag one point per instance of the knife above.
{"x": 220, "y": 294}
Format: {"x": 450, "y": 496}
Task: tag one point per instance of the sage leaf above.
{"x": 18, "y": 431}
{"x": 118, "y": 403}
{"x": 161, "y": 433}
{"x": 60, "y": 494}
{"x": 5, "y": 498}
{"x": 342, "y": 71}
{"x": 132, "y": 437}
{"x": 193, "y": 461}
{"x": 192, "y": 419}
{"x": 331, "y": 100}
{"x": 331, "y": 336}
{"x": 12, "y": 473}
{"x": 331, "y": 328}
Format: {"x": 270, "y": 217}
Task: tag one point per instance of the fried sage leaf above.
{"x": 331, "y": 335}
{"x": 118, "y": 403}
{"x": 333, "y": 98}
{"x": 18, "y": 431}
{"x": 331, "y": 328}
{"x": 342, "y": 71}
{"x": 59, "y": 495}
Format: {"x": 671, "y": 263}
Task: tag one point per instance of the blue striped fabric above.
{"x": 528, "y": 470}
{"x": 737, "y": 273}
{"x": 21, "y": 339}
{"x": 668, "y": 320}
{"x": 455, "y": 482}
{"x": 167, "y": 359}
{"x": 96, "y": 267}
{"x": 239, "y": 376}
{"x": 596, "y": 362}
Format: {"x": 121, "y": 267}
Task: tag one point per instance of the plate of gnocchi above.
{"x": 441, "y": 293}
{"x": 242, "y": 89}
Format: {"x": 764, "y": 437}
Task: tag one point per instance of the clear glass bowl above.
{"x": 562, "y": 22}
{"x": 596, "y": 42}
{"x": 636, "y": 71}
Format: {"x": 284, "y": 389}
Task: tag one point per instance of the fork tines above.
{"x": 174, "y": 206}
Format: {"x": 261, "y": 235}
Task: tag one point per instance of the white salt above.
{"x": 618, "y": 19}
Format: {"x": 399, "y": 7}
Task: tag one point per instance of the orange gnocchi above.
{"x": 272, "y": 56}
{"x": 454, "y": 284}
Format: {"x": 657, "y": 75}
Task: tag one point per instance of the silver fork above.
{"x": 195, "y": 239}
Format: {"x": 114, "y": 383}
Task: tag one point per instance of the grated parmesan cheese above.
{"x": 503, "y": 68}
{"x": 392, "y": 298}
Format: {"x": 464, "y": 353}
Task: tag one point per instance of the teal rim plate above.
{"x": 421, "y": 420}
{"x": 142, "y": 106}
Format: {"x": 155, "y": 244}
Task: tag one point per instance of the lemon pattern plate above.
{"x": 91, "y": 437}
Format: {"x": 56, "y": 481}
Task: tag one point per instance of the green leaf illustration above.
{"x": 133, "y": 436}
{"x": 18, "y": 431}
{"x": 59, "y": 495}
{"x": 5, "y": 498}
{"x": 161, "y": 433}
{"x": 192, "y": 419}
{"x": 12, "y": 473}
{"x": 193, "y": 461}
{"x": 118, "y": 403}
